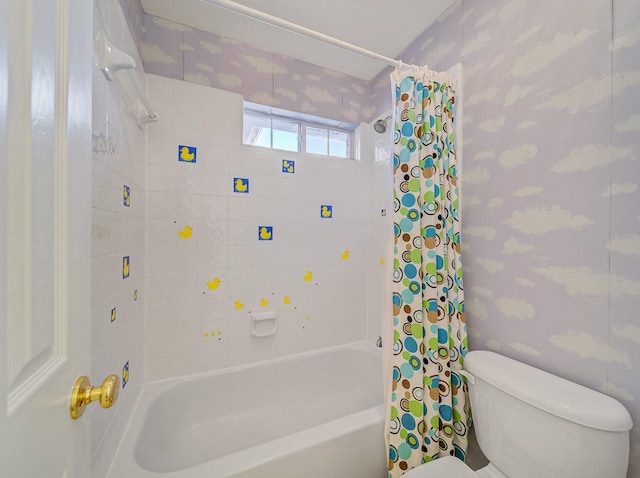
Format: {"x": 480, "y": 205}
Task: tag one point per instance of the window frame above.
{"x": 302, "y": 124}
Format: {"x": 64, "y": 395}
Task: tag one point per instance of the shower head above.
{"x": 381, "y": 125}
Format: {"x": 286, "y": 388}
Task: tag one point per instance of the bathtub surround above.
{"x": 257, "y": 242}
{"x": 117, "y": 245}
{"x": 430, "y": 333}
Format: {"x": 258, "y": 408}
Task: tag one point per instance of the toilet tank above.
{"x": 532, "y": 424}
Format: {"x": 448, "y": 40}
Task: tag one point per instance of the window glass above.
{"x": 317, "y": 140}
{"x": 285, "y": 135}
{"x": 256, "y": 130}
{"x": 289, "y": 131}
{"x": 339, "y": 144}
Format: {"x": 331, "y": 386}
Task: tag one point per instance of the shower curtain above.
{"x": 427, "y": 401}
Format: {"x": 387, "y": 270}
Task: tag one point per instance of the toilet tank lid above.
{"x": 548, "y": 392}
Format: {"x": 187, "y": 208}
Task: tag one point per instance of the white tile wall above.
{"x": 379, "y": 148}
{"x": 117, "y": 231}
{"x": 183, "y": 311}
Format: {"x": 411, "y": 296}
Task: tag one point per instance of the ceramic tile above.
{"x": 241, "y": 274}
{"x": 183, "y": 284}
{"x": 112, "y": 232}
{"x": 174, "y": 179}
{"x": 260, "y": 281}
{"x": 215, "y": 208}
{"x": 173, "y": 205}
{"x": 196, "y": 360}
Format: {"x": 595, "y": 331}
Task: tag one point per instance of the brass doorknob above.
{"x": 84, "y": 393}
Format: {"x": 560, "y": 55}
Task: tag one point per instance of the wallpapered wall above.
{"x": 550, "y": 175}
{"x": 176, "y": 51}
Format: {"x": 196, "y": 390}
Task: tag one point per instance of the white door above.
{"x": 45, "y": 222}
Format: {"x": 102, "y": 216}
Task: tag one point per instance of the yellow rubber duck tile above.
{"x": 240, "y": 185}
{"x": 187, "y": 154}
{"x": 265, "y": 233}
{"x": 186, "y": 232}
{"x": 326, "y": 211}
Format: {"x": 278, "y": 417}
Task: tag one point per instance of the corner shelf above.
{"x": 111, "y": 62}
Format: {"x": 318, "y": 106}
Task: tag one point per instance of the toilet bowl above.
{"x": 531, "y": 424}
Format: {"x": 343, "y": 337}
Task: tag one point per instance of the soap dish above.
{"x": 263, "y": 324}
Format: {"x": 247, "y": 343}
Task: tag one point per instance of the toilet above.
{"x": 532, "y": 424}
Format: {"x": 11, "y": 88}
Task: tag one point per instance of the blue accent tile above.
{"x": 326, "y": 211}
{"x": 187, "y": 154}
{"x": 240, "y": 185}
{"x": 125, "y": 375}
{"x": 288, "y": 166}
{"x": 126, "y": 196}
{"x": 125, "y": 267}
{"x": 265, "y": 233}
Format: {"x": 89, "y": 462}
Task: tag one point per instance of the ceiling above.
{"x": 382, "y": 26}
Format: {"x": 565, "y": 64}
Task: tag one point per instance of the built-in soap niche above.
{"x": 264, "y": 324}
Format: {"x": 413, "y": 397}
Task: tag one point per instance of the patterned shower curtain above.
{"x": 428, "y": 403}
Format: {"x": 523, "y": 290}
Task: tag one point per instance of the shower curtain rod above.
{"x": 307, "y": 32}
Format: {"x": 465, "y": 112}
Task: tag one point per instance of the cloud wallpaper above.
{"x": 180, "y": 52}
{"x": 550, "y": 166}
{"x": 550, "y": 175}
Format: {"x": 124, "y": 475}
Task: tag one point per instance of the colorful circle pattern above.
{"x": 429, "y": 404}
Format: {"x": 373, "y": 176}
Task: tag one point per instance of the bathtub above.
{"x": 312, "y": 415}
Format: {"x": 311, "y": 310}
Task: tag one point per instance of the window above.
{"x": 284, "y": 134}
{"x": 289, "y": 131}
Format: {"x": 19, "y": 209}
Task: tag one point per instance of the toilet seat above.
{"x": 448, "y": 466}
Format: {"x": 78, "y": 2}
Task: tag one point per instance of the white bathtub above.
{"x": 312, "y": 415}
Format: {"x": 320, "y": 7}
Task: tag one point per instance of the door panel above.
{"x": 45, "y": 125}
{"x": 34, "y": 176}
